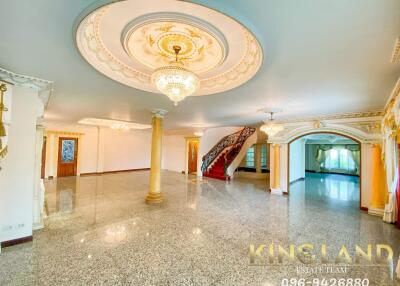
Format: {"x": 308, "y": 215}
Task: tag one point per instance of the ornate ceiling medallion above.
{"x": 152, "y": 42}
{"x": 129, "y": 40}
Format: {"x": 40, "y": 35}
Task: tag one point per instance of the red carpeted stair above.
{"x": 217, "y": 170}
{"x": 223, "y": 153}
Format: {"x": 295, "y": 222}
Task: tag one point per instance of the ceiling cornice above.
{"x": 366, "y": 114}
{"x": 44, "y": 87}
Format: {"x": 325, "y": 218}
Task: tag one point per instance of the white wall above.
{"x": 102, "y": 149}
{"x": 126, "y": 150}
{"x": 210, "y": 138}
{"x": 174, "y": 153}
{"x": 18, "y": 167}
{"x": 297, "y": 160}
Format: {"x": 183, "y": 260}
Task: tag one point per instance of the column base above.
{"x": 37, "y": 226}
{"x": 375, "y": 212}
{"x": 154, "y": 198}
{"x": 276, "y": 192}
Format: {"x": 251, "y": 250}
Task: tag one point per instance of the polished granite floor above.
{"x": 100, "y": 232}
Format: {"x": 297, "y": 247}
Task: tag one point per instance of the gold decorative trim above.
{"x": 56, "y": 132}
{"x": 373, "y": 113}
{"x": 3, "y": 152}
{"x": 396, "y": 52}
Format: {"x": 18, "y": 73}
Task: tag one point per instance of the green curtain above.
{"x": 355, "y": 154}
{"x": 321, "y": 156}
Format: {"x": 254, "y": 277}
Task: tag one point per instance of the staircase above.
{"x": 221, "y": 156}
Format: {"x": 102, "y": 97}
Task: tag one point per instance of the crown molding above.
{"x": 355, "y": 115}
{"x": 44, "y": 87}
{"x": 396, "y": 52}
{"x": 65, "y": 133}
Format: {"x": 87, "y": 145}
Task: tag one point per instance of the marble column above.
{"x": 38, "y": 193}
{"x": 378, "y": 185}
{"x": 155, "y": 196}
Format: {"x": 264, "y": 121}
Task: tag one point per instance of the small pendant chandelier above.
{"x": 175, "y": 81}
{"x": 270, "y": 127}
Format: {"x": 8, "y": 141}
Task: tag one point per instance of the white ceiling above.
{"x": 320, "y": 57}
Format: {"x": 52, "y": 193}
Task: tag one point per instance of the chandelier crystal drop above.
{"x": 270, "y": 127}
{"x": 175, "y": 81}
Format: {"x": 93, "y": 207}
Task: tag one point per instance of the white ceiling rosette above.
{"x": 128, "y": 40}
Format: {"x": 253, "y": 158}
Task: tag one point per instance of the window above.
{"x": 250, "y": 157}
{"x": 68, "y": 151}
{"x": 264, "y": 156}
{"x": 339, "y": 159}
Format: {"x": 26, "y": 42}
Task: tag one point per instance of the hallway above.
{"x": 100, "y": 232}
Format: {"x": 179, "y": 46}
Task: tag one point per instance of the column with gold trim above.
{"x": 378, "y": 184}
{"x": 155, "y": 196}
{"x": 275, "y": 182}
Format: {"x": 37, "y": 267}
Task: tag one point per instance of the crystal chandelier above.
{"x": 270, "y": 127}
{"x": 175, "y": 81}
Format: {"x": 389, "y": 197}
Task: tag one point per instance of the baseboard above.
{"x": 332, "y": 173}
{"x": 114, "y": 172}
{"x": 364, "y": 209}
{"x": 375, "y": 212}
{"x": 16, "y": 241}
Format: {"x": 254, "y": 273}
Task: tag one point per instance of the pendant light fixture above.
{"x": 174, "y": 80}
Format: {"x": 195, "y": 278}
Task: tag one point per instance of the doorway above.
{"x": 193, "y": 148}
{"x": 67, "y": 157}
{"x": 325, "y": 167}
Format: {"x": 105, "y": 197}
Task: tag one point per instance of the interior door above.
{"x": 192, "y": 156}
{"x": 67, "y": 157}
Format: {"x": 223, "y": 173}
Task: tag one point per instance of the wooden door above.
{"x": 67, "y": 157}
{"x": 192, "y": 156}
{"x": 43, "y": 171}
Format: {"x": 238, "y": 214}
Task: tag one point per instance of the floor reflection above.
{"x": 100, "y": 231}
{"x": 331, "y": 189}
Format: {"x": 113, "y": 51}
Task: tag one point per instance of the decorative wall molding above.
{"x": 365, "y": 114}
{"x": 44, "y": 87}
{"x": 66, "y": 133}
{"x": 396, "y": 52}
{"x": 362, "y": 129}
{"x": 391, "y": 119}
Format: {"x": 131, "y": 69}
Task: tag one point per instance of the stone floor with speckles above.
{"x": 99, "y": 231}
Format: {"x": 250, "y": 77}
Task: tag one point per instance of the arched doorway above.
{"x": 337, "y": 152}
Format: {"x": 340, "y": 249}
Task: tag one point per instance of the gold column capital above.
{"x": 160, "y": 113}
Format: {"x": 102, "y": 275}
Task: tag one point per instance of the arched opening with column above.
{"x": 341, "y": 181}
{"x": 361, "y": 130}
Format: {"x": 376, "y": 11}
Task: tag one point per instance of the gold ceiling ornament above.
{"x": 128, "y": 47}
{"x": 174, "y": 80}
{"x": 3, "y": 133}
{"x": 270, "y": 127}
{"x": 200, "y": 50}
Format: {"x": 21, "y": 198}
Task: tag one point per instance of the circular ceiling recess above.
{"x": 128, "y": 40}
